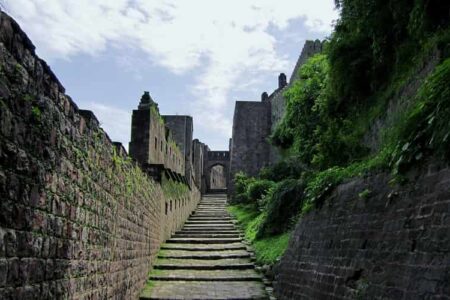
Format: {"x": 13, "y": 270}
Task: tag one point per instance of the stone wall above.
{"x": 309, "y": 49}
{"x": 277, "y": 110}
{"x": 373, "y": 241}
{"x": 198, "y": 152}
{"x": 254, "y": 122}
{"x": 249, "y": 147}
{"x": 152, "y": 142}
{"x": 78, "y": 219}
{"x": 182, "y": 128}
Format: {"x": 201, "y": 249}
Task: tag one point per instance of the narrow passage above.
{"x": 205, "y": 260}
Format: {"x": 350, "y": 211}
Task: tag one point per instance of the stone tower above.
{"x": 254, "y": 121}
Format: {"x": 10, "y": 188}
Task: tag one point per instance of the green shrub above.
{"x": 283, "y": 203}
{"x": 309, "y": 129}
{"x": 257, "y": 189}
{"x": 289, "y": 167}
{"x": 241, "y": 183}
{"x": 267, "y": 249}
{"x": 426, "y": 129}
{"x": 373, "y": 39}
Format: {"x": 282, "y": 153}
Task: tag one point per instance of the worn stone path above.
{"x": 207, "y": 259}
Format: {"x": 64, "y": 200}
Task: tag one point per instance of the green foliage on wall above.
{"x": 173, "y": 189}
{"x": 426, "y": 128}
{"x": 379, "y": 51}
{"x": 309, "y": 129}
{"x": 375, "y": 39}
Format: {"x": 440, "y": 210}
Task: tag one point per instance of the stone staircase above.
{"x": 207, "y": 259}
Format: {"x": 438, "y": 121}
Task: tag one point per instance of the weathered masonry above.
{"x": 395, "y": 244}
{"x": 78, "y": 217}
{"x": 164, "y": 146}
{"x": 254, "y": 121}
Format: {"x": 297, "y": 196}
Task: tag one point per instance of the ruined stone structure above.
{"x": 254, "y": 121}
{"x": 152, "y": 142}
{"x": 218, "y": 178}
{"x": 212, "y": 176}
{"x": 198, "y": 152}
{"x": 163, "y": 145}
{"x": 78, "y": 219}
{"x": 182, "y": 128}
{"x": 250, "y": 149}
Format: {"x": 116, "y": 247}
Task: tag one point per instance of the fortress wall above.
{"x": 249, "y": 148}
{"x": 198, "y": 151}
{"x": 392, "y": 243}
{"x": 182, "y": 128}
{"x": 254, "y": 122}
{"x": 78, "y": 219}
{"x": 152, "y": 144}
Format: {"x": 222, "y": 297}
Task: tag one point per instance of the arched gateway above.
{"x": 216, "y": 171}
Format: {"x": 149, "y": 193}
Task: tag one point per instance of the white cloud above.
{"x": 225, "y": 41}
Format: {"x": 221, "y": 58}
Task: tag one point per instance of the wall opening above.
{"x": 217, "y": 177}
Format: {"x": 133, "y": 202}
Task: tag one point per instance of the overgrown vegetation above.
{"x": 173, "y": 189}
{"x": 267, "y": 249}
{"x": 379, "y": 52}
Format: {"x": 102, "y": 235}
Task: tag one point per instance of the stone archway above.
{"x": 217, "y": 177}
{"x": 214, "y": 159}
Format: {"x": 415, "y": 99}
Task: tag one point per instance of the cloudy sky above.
{"x": 196, "y": 57}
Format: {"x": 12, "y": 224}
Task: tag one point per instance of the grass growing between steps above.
{"x": 267, "y": 248}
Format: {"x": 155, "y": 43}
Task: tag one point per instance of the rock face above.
{"x": 372, "y": 241}
{"x": 78, "y": 219}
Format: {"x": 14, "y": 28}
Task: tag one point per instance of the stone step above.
{"x": 211, "y": 207}
{"x": 208, "y": 231}
{"x": 210, "y": 214}
{"x": 206, "y": 235}
{"x": 208, "y": 247}
{"x": 201, "y": 290}
{"x": 196, "y": 218}
{"x": 209, "y": 222}
{"x": 206, "y": 259}
{"x": 207, "y": 228}
{"x": 204, "y": 264}
{"x": 219, "y": 212}
{"x": 220, "y": 254}
{"x": 204, "y": 240}
{"x": 206, "y": 275}
{"x": 210, "y": 225}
